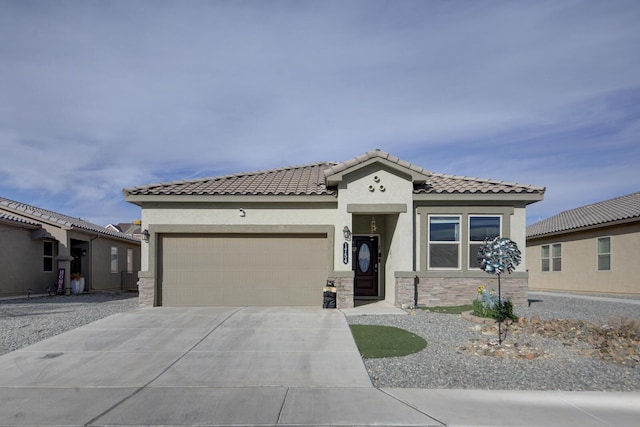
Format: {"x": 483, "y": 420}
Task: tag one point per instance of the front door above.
{"x": 76, "y": 262}
{"x": 365, "y": 265}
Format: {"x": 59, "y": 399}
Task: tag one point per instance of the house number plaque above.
{"x": 345, "y": 253}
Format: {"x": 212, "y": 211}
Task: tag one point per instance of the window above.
{"x": 129, "y": 260}
{"x": 544, "y": 256}
{"x": 444, "y": 242}
{"x": 551, "y": 257}
{"x": 556, "y": 257}
{"x": 604, "y": 253}
{"x": 114, "y": 259}
{"x": 47, "y": 256}
{"x": 480, "y": 228}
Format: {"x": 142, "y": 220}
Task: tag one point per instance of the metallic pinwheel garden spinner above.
{"x": 496, "y": 256}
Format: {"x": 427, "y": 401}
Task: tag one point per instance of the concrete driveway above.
{"x": 239, "y": 366}
{"x": 199, "y": 366}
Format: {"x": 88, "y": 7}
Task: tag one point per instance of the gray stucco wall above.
{"x": 21, "y": 263}
{"x": 101, "y": 276}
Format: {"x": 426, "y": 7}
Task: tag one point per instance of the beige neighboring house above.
{"x": 379, "y": 227}
{"x": 591, "y": 249}
{"x": 35, "y": 244}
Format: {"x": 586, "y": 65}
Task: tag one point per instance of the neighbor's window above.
{"x": 604, "y": 253}
{"x": 551, "y": 257}
{"x": 544, "y": 257}
{"x": 556, "y": 257}
{"x": 444, "y": 242}
{"x": 47, "y": 256}
{"x": 481, "y": 228}
{"x": 114, "y": 259}
{"x": 129, "y": 260}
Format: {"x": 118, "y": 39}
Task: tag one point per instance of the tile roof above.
{"x": 376, "y": 154}
{"x": 601, "y": 213}
{"x": 11, "y": 207}
{"x": 452, "y": 184}
{"x": 295, "y": 180}
{"x": 13, "y": 218}
{"x": 311, "y": 180}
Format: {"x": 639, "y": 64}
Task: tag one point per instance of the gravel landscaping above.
{"x": 26, "y": 321}
{"x": 563, "y": 365}
{"x": 444, "y": 363}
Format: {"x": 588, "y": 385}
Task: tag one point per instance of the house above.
{"x": 37, "y": 244}
{"x": 129, "y": 228}
{"x": 378, "y": 227}
{"x": 591, "y": 249}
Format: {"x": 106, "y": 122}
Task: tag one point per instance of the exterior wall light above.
{"x": 145, "y": 235}
{"x": 374, "y": 228}
{"x": 347, "y": 233}
{"x": 242, "y": 213}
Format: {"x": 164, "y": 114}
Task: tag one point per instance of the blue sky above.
{"x": 96, "y": 96}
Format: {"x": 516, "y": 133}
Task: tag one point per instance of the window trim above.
{"x": 553, "y": 258}
{"x": 550, "y": 258}
{"x": 45, "y": 256}
{"x": 598, "y": 254}
{"x": 114, "y": 251}
{"x": 129, "y": 260}
{"x": 449, "y": 242}
{"x": 545, "y": 258}
{"x": 475, "y": 242}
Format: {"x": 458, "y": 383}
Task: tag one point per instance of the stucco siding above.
{"x": 388, "y": 195}
{"x": 22, "y": 263}
{"x": 518, "y": 233}
{"x": 223, "y": 214}
{"x": 102, "y": 278}
{"x": 579, "y": 270}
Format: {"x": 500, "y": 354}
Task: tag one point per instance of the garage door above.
{"x": 240, "y": 269}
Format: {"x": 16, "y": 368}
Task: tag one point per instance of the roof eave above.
{"x": 527, "y": 198}
{"x": 139, "y": 200}
{"x": 334, "y": 177}
{"x": 19, "y": 224}
{"x": 585, "y": 228}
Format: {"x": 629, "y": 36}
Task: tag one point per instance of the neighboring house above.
{"x": 129, "y": 228}
{"x": 36, "y": 243}
{"x": 379, "y": 227}
{"x": 591, "y": 249}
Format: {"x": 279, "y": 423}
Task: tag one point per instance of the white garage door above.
{"x": 240, "y": 269}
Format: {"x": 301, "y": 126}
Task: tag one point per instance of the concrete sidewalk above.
{"x": 251, "y": 366}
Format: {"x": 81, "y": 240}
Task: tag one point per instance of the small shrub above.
{"x": 487, "y": 305}
{"x": 623, "y": 327}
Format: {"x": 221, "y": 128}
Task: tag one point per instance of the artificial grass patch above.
{"x": 457, "y": 309}
{"x": 376, "y": 341}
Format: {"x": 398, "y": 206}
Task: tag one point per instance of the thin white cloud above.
{"x": 105, "y": 95}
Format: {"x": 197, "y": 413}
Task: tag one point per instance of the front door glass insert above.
{"x": 364, "y": 257}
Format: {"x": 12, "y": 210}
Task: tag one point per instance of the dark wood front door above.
{"x": 365, "y": 265}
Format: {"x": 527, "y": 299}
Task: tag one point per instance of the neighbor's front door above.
{"x": 365, "y": 265}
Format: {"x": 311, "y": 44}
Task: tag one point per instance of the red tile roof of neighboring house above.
{"x": 35, "y": 214}
{"x": 311, "y": 180}
{"x": 601, "y": 213}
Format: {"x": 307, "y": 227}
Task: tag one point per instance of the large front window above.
{"x": 444, "y": 242}
{"x": 481, "y": 228}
